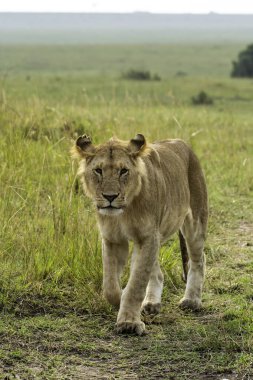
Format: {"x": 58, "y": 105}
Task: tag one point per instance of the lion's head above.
{"x": 112, "y": 173}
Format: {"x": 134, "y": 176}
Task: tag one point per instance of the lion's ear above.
{"x": 83, "y": 147}
{"x": 137, "y": 145}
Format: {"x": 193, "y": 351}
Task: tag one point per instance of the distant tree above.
{"x": 244, "y": 66}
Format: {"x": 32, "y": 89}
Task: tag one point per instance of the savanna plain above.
{"x": 54, "y": 323}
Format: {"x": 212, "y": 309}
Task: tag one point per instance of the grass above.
{"x": 54, "y": 322}
{"x": 213, "y": 59}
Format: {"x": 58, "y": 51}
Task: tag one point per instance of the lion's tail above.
{"x": 184, "y": 254}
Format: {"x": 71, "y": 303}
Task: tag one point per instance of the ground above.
{"x": 215, "y": 343}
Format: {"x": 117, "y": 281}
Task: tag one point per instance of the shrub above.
{"x": 244, "y": 66}
{"x": 140, "y": 75}
{"x": 181, "y": 73}
{"x": 156, "y": 77}
{"x": 202, "y": 98}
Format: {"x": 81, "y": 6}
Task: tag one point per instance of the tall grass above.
{"x": 49, "y": 241}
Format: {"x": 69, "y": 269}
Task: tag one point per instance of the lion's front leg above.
{"x": 129, "y": 316}
{"x": 114, "y": 259}
{"x": 152, "y": 300}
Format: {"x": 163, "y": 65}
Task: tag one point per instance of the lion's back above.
{"x": 173, "y": 149}
{"x": 176, "y": 180}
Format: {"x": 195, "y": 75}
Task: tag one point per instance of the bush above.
{"x": 181, "y": 73}
{"x": 244, "y": 66}
{"x": 202, "y": 98}
{"x": 140, "y": 75}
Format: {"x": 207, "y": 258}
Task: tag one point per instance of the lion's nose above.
{"x": 110, "y": 197}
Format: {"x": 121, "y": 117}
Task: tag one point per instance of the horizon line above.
{"x": 128, "y": 13}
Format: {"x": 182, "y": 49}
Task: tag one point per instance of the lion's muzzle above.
{"x": 110, "y": 197}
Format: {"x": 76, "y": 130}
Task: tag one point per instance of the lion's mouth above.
{"x": 110, "y": 207}
{"x": 110, "y": 210}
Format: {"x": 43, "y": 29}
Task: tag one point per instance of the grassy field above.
{"x": 54, "y": 323}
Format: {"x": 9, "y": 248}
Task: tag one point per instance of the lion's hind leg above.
{"x": 152, "y": 300}
{"x": 184, "y": 255}
{"x": 194, "y": 234}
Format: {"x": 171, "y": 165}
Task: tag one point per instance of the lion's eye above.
{"x": 98, "y": 171}
{"x": 123, "y": 171}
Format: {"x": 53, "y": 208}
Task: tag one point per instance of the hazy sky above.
{"x": 162, "y": 6}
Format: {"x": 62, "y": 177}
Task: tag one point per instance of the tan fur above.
{"x": 163, "y": 191}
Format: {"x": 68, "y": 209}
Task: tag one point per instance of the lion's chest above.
{"x": 117, "y": 229}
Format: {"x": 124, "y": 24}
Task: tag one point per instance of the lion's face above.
{"x": 111, "y": 178}
{"x": 112, "y": 173}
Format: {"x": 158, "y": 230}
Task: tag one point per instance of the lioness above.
{"x": 145, "y": 193}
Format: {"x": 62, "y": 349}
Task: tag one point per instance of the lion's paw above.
{"x": 191, "y": 304}
{"x": 127, "y": 327}
{"x": 151, "y": 308}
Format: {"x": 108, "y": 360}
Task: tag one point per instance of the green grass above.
{"x": 54, "y": 322}
{"x": 200, "y": 59}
